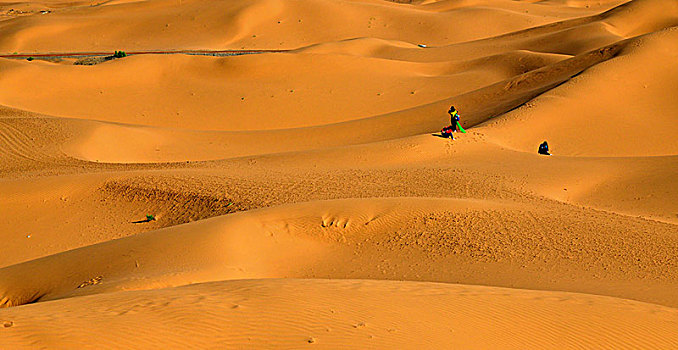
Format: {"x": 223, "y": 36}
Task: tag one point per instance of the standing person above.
{"x": 454, "y": 118}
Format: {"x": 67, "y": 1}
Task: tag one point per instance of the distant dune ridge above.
{"x": 301, "y": 198}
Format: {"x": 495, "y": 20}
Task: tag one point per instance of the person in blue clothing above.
{"x": 544, "y": 149}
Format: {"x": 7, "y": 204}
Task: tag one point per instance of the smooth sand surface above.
{"x": 331, "y": 314}
{"x": 303, "y": 198}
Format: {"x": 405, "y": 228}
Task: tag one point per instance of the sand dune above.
{"x": 198, "y": 24}
{"x": 484, "y": 103}
{"x": 636, "y": 118}
{"x": 370, "y": 238}
{"x": 204, "y": 93}
{"x": 333, "y": 314}
{"x": 217, "y": 245}
{"x": 302, "y": 198}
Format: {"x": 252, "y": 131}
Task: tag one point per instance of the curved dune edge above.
{"x": 256, "y": 24}
{"x": 565, "y": 114}
{"x": 440, "y": 239}
{"x": 416, "y": 90}
{"x": 175, "y": 95}
{"x": 483, "y": 103}
{"x": 263, "y": 243}
{"x": 291, "y": 313}
{"x": 585, "y": 117}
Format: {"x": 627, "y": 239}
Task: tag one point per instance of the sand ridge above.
{"x": 304, "y": 198}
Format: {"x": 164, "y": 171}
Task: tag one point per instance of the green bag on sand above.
{"x": 460, "y": 128}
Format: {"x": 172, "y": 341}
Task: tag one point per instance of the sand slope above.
{"x": 634, "y": 120}
{"x": 258, "y": 24}
{"x": 395, "y": 238}
{"x": 331, "y": 314}
{"x": 302, "y": 198}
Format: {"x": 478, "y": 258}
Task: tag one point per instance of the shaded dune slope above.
{"x": 634, "y": 119}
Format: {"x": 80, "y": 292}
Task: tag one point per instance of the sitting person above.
{"x": 447, "y": 132}
{"x": 544, "y": 149}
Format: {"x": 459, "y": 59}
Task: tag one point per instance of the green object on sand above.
{"x": 150, "y": 217}
{"x": 460, "y": 128}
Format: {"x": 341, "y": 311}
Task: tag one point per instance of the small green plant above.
{"x": 119, "y": 54}
{"x": 30, "y": 59}
{"x": 150, "y": 217}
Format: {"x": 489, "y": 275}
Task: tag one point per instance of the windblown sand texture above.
{"x": 301, "y": 197}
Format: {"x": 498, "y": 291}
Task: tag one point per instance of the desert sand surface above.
{"x": 303, "y": 197}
